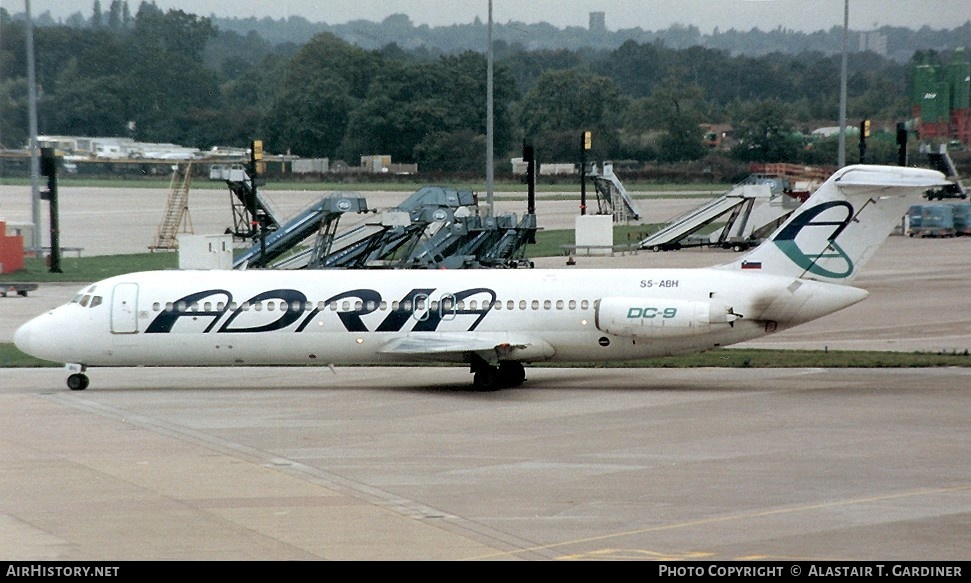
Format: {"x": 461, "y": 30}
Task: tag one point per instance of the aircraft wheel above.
{"x": 511, "y": 373}
{"x": 487, "y": 379}
{"x": 77, "y": 382}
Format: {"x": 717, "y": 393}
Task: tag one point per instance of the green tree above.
{"x": 319, "y": 89}
{"x": 765, "y": 130}
{"x": 97, "y": 16}
{"x": 412, "y": 104}
{"x": 87, "y": 106}
{"x": 14, "y": 106}
{"x": 675, "y": 107}
{"x": 564, "y": 103}
{"x": 461, "y": 150}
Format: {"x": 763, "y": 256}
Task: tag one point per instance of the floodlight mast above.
{"x": 32, "y": 127}
{"x": 490, "y": 165}
{"x": 841, "y": 155}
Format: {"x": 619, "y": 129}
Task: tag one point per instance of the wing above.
{"x": 492, "y": 346}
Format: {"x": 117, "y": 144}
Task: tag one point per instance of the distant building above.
{"x": 381, "y": 164}
{"x": 875, "y": 42}
{"x": 598, "y": 22}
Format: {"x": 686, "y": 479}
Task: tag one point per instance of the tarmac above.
{"x": 714, "y": 464}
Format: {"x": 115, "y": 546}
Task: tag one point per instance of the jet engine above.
{"x": 660, "y": 318}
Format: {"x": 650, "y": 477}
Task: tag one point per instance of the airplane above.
{"x": 493, "y": 320}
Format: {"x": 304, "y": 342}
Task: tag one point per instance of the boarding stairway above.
{"x": 435, "y": 227}
{"x": 750, "y": 211}
{"x": 251, "y": 209}
{"x": 176, "y": 218}
{"x": 941, "y": 161}
{"x": 674, "y": 235}
{"x": 322, "y": 218}
{"x": 515, "y": 236}
{"x": 612, "y": 197}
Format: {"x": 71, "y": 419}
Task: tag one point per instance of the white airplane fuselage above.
{"x": 493, "y": 319}
{"x": 218, "y": 318}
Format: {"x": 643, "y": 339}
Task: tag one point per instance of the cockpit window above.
{"x": 85, "y": 300}
{"x": 95, "y": 301}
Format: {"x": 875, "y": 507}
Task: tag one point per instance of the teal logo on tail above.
{"x": 828, "y": 247}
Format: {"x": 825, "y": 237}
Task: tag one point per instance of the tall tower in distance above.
{"x": 598, "y": 22}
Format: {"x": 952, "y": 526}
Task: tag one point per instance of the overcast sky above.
{"x": 805, "y": 15}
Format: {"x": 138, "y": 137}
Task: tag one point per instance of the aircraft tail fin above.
{"x": 834, "y": 233}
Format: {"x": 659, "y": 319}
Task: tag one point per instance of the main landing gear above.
{"x": 492, "y": 378}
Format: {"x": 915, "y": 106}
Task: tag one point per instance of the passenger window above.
{"x": 547, "y": 305}
{"x": 510, "y": 305}
{"x": 270, "y": 306}
{"x": 559, "y": 304}
{"x": 573, "y": 304}
{"x": 522, "y": 304}
{"x": 584, "y": 305}
{"x": 156, "y": 307}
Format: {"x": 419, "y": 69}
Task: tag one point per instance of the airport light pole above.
{"x": 32, "y": 123}
{"x": 841, "y": 156}
{"x": 490, "y": 166}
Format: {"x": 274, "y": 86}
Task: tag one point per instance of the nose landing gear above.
{"x": 77, "y": 381}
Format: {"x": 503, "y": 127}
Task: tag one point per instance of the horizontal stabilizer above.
{"x": 879, "y": 177}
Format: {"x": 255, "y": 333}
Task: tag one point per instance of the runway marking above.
{"x": 709, "y": 521}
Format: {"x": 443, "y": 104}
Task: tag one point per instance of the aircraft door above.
{"x": 420, "y": 311}
{"x": 124, "y": 308}
{"x": 447, "y": 307}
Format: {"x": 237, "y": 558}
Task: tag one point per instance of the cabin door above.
{"x": 124, "y": 308}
